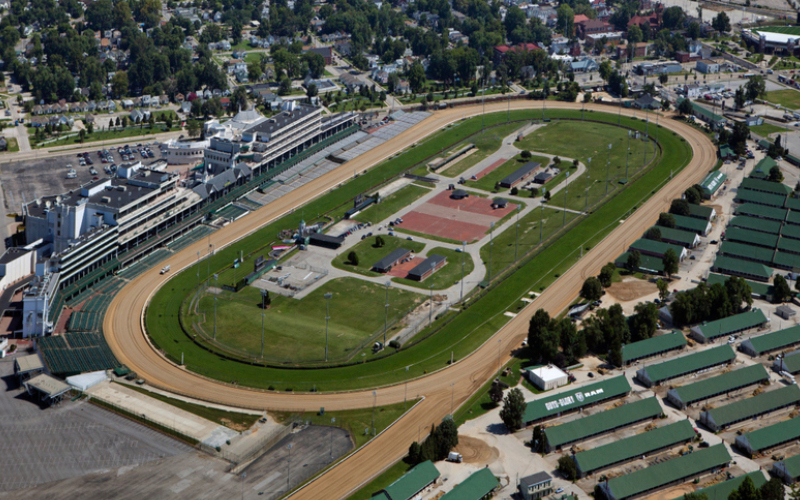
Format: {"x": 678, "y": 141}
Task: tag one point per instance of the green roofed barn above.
{"x": 763, "y": 344}
{"x": 657, "y": 248}
{"x": 685, "y": 365}
{"x": 699, "y": 226}
{"x": 765, "y": 186}
{"x": 760, "y": 198}
{"x": 759, "y": 290}
{"x": 789, "y": 362}
{"x": 717, "y": 386}
{"x": 761, "y": 212}
{"x": 742, "y": 268}
{"x": 477, "y": 486}
{"x": 686, "y": 239}
{"x": 767, "y": 402}
{"x": 766, "y": 438}
{"x": 737, "y": 323}
{"x": 558, "y": 436}
{"x": 636, "y": 446}
{"x": 721, "y": 491}
{"x": 653, "y": 346}
{"x": 788, "y": 470}
{"x": 762, "y": 168}
{"x": 702, "y": 212}
{"x": 574, "y": 399}
{"x": 751, "y": 237}
{"x": 746, "y": 252}
{"x": 755, "y": 224}
{"x": 666, "y": 473}
{"x": 712, "y": 183}
{"x": 647, "y": 263}
{"x": 411, "y": 484}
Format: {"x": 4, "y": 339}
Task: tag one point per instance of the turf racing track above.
{"x": 124, "y": 321}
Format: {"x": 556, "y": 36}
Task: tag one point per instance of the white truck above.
{"x": 455, "y": 457}
{"x": 165, "y": 270}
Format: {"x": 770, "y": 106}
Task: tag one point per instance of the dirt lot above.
{"x": 631, "y": 289}
{"x": 476, "y": 451}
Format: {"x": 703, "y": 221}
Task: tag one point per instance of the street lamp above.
{"x": 463, "y": 251}
{"x": 430, "y": 310}
{"x": 608, "y": 167}
{"x": 491, "y": 244}
{"x": 516, "y": 239}
{"x": 566, "y": 189}
{"x": 327, "y": 317}
{"x": 586, "y": 201}
{"x": 216, "y": 292}
{"x": 333, "y": 421}
{"x": 541, "y": 220}
{"x": 208, "y": 262}
{"x": 386, "y": 313}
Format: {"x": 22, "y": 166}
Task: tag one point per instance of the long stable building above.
{"x": 653, "y": 346}
{"x": 411, "y": 484}
{"x": 575, "y": 399}
{"x": 745, "y": 409}
{"x": 737, "y": 323}
{"x": 666, "y": 473}
{"x": 716, "y": 386}
{"x": 769, "y": 342}
{"x": 558, "y": 436}
{"x": 766, "y": 438}
{"x": 679, "y": 367}
{"x": 721, "y": 491}
{"x": 646, "y": 443}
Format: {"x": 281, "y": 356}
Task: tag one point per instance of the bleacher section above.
{"x": 187, "y": 239}
{"x": 231, "y": 212}
{"x": 74, "y": 353}
{"x": 144, "y": 264}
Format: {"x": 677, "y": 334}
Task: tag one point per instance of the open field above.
{"x": 788, "y": 98}
{"x": 368, "y": 254}
{"x": 486, "y": 144}
{"x": 488, "y": 182}
{"x": 294, "y": 330}
{"x": 767, "y": 128}
{"x": 392, "y": 204}
{"x": 447, "y": 276}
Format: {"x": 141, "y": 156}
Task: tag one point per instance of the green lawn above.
{"x": 559, "y": 138}
{"x": 13, "y": 145}
{"x": 294, "y": 329}
{"x": 392, "y": 204}
{"x": 765, "y": 129}
{"x": 461, "y": 334}
{"x": 788, "y": 98}
{"x": 234, "y": 420}
{"x": 447, "y": 276}
{"x": 368, "y": 254}
{"x": 354, "y": 421}
{"x": 489, "y": 181}
{"x": 486, "y": 143}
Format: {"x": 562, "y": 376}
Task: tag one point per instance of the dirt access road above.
{"x": 124, "y": 321}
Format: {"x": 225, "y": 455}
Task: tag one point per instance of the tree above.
{"x": 496, "y": 394}
{"x": 644, "y": 323}
{"x": 607, "y": 274}
{"x": 755, "y": 86}
{"x": 775, "y": 174}
{"x": 311, "y": 90}
{"x": 663, "y": 289}
{"x": 654, "y": 233}
{"x": 316, "y": 64}
{"x": 782, "y": 292}
{"x": 416, "y": 77}
{"x": 694, "y": 30}
{"x": 119, "y": 84}
{"x": 721, "y": 22}
{"x": 567, "y": 467}
{"x": 694, "y": 195}
{"x": 592, "y": 289}
{"x": 446, "y": 437}
{"x": 634, "y": 260}
{"x": 672, "y": 17}
{"x": 739, "y": 98}
{"x": 746, "y": 491}
{"x": 685, "y": 107}
{"x": 379, "y": 241}
{"x": 538, "y": 439}
{"x": 525, "y": 154}
{"x": 666, "y": 220}
{"x": 663, "y": 78}
{"x": 513, "y": 410}
{"x": 82, "y": 135}
{"x": 695, "y": 496}
{"x": 542, "y": 339}
{"x": 605, "y": 70}
{"x": 634, "y": 35}
{"x": 193, "y": 128}
{"x": 415, "y": 453}
{"x": 680, "y": 207}
{"x": 566, "y": 19}
{"x": 670, "y": 261}
{"x": 352, "y": 257}
{"x": 772, "y": 490}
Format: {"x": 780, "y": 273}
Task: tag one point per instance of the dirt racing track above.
{"x": 124, "y": 321}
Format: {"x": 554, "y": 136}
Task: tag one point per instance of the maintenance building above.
{"x": 717, "y": 386}
{"x": 427, "y": 267}
{"x": 721, "y": 491}
{"x": 667, "y": 473}
{"x": 712, "y": 183}
{"x": 559, "y": 436}
{"x": 737, "y": 323}
{"x": 634, "y": 447}
{"x": 547, "y": 377}
{"x": 766, "y": 438}
{"x": 684, "y": 365}
{"x": 773, "y": 341}
{"x": 575, "y": 399}
{"x": 766, "y": 402}
{"x": 395, "y": 257}
{"x": 411, "y": 483}
{"x": 520, "y": 175}
{"x": 788, "y": 470}
{"x": 653, "y": 346}
{"x": 477, "y": 486}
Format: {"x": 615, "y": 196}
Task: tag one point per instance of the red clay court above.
{"x": 460, "y": 220}
{"x": 401, "y": 270}
{"x": 490, "y": 168}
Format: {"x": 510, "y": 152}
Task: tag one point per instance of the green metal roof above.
{"x": 764, "y": 144}
{"x": 793, "y": 466}
{"x": 775, "y": 340}
{"x": 793, "y": 203}
{"x": 412, "y": 481}
{"x": 747, "y": 252}
{"x": 773, "y": 435}
{"x": 760, "y": 198}
{"x": 748, "y": 236}
{"x": 792, "y": 361}
{"x": 690, "y": 223}
{"x": 475, "y": 487}
{"x": 745, "y": 267}
{"x": 766, "y": 186}
{"x": 721, "y": 491}
{"x": 787, "y": 260}
{"x": 725, "y": 151}
{"x": 657, "y": 247}
{"x": 667, "y": 472}
{"x": 710, "y": 387}
{"x": 685, "y": 238}
{"x": 793, "y": 217}
{"x": 789, "y": 245}
{"x": 634, "y": 446}
{"x": 652, "y": 346}
{"x": 756, "y": 224}
{"x": 582, "y": 428}
{"x": 762, "y": 212}
{"x": 647, "y": 263}
{"x": 750, "y": 407}
{"x": 761, "y": 289}
{"x": 700, "y": 211}
{"x": 791, "y": 231}
{"x": 712, "y": 182}
{"x": 691, "y": 363}
{"x": 569, "y": 400}
{"x": 732, "y": 324}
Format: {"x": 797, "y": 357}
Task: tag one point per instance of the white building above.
{"x": 547, "y": 377}
{"x": 36, "y": 320}
{"x": 180, "y": 152}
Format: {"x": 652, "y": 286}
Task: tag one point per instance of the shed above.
{"x": 325, "y": 240}
{"x": 520, "y": 174}
{"x": 547, "y": 377}
{"x": 788, "y": 470}
{"x": 657, "y": 248}
{"x": 721, "y": 491}
{"x": 687, "y": 223}
{"x": 785, "y": 312}
{"x": 737, "y": 323}
{"x": 766, "y": 402}
{"x": 499, "y": 203}
{"x": 680, "y": 237}
{"x": 48, "y": 388}
{"x": 427, "y": 267}
{"x": 477, "y": 486}
{"x": 387, "y": 263}
{"x": 459, "y": 194}
{"x": 26, "y": 367}
{"x": 412, "y": 482}
{"x": 716, "y": 386}
{"x": 789, "y": 362}
{"x": 702, "y": 212}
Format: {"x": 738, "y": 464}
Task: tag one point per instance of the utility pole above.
{"x": 463, "y": 251}
{"x": 198, "y": 269}
{"x": 327, "y": 317}
{"x": 541, "y": 221}
{"x": 289, "y": 469}
{"x": 627, "y": 156}
{"x": 586, "y": 200}
{"x": 374, "y": 403}
{"x": 430, "y": 311}
{"x": 516, "y": 239}
{"x": 208, "y": 261}
{"x": 608, "y": 167}
{"x": 216, "y": 292}
{"x": 386, "y": 313}
{"x": 491, "y": 244}
{"x": 405, "y": 397}
{"x": 263, "y": 307}
{"x": 566, "y": 189}
{"x": 646, "y": 138}
{"x": 333, "y": 421}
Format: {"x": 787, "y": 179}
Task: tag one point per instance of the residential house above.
{"x": 325, "y": 52}
{"x": 127, "y": 104}
{"x": 186, "y": 107}
{"x": 343, "y": 47}
{"x": 707, "y": 66}
{"x": 593, "y": 27}
{"x": 584, "y": 65}
{"x": 500, "y": 51}
{"x": 236, "y": 66}
{"x": 179, "y": 97}
{"x": 352, "y": 83}
{"x": 163, "y": 99}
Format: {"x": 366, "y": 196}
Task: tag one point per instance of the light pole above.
{"x": 198, "y": 269}
{"x": 608, "y": 167}
{"x": 430, "y": 310}
{"x": 463, "y": 251}
{"x": 627, "y": 156}
{"x": 374, "y": 403}
{"x": 541, "y": 221}
{"x": 516, "y": 237}
{"x": 646, "y": 138}
{"x": 405, "y": 397}
{"x": 386, "y": 313}
{"x": 566, "y": 189}
{"x": 327, "y": 317}
{"x": 216, "y": 292}
{"x": 208, "y": 262}
{"x": 586, "y": 201}
{"x": 263, "y": 307}
{"x": 452, "y": 397}
{"x": 491, "y": 244}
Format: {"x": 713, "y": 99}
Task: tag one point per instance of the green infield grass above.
{"x": 448, "y": 275}
{"x": 368, "y": 253}
{"x": 490, "y": 180}
{"x": 392, "y": 204}
{"x": 767, "y": 128}
{"x": 486, "y": 143}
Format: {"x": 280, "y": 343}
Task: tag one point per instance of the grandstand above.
{"x": 144, "y": 264}
{"x": 196, "y": 234}
{"x": 231, "y": 212}
{"x": 75, "y": 353}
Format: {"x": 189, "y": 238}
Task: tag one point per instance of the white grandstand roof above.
{"x": 773, "y": 37}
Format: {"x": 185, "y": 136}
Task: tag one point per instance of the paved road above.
{"x": 123, "y": 323}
